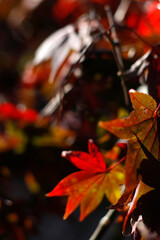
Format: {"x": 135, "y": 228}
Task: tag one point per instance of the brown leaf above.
{"x": 142, "y": 122}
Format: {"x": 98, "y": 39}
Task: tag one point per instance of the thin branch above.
{"x": 55, "y": 101}
{"x": 104, "y": 221}
{"x": 113, "y": 38}
{"x": 122, "y": 10}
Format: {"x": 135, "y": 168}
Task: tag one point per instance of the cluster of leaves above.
{"x": 87, "y": 187}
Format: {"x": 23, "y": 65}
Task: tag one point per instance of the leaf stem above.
{"x": 158, "y": 108}
{"x": 103, "y": 222}
{"x": 113, "y": 166}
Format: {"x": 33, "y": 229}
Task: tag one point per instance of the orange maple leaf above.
{"x": 142, "y": 122}
{"x": 88, "y": 186}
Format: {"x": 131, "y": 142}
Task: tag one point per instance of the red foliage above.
{"x": 11, "y": 111}
{"x": 145, "y": 22}
{"x": 87, "y": 187}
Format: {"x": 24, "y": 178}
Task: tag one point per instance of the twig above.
{"x": 55, "y": 101}
{"x": 103, "y": 222}
{"x": 122, "y": 10}
{"x": 117, "y": 52}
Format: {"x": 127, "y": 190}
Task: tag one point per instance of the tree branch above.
{"x": 113, "y": 38}
{"x": 104, "y": 221}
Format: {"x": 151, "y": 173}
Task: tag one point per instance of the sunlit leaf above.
{"x": 88, "y": 186}
{"x": 141, "y": 122}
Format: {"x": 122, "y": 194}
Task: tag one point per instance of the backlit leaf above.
{"x": 88, "y": 186}
{"x": 142, "y": 122}
{"x": 92, "y": 162}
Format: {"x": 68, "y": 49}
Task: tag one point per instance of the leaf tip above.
{"x": 81, "y": 218}
{"x": 47, "y": 195}
{"x": 64, "y": 217}
{"x": 65, "y": 153}
{"x": 90, "y": 141}
{"x": 51, "y": 194}
{"x": 132, "y": 91}
{"x": 66, "y": 214}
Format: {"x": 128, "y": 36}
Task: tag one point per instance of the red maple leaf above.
{"x": 88, "y": 186}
